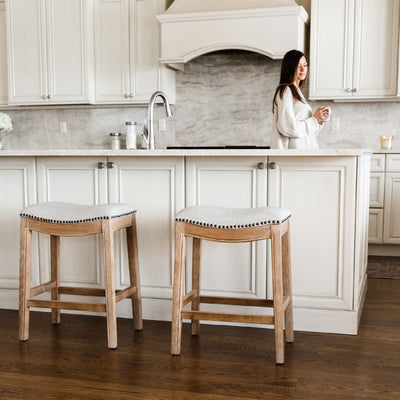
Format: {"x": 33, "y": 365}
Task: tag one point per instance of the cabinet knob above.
{"x": 126, "y": 96}
{"x": 44, "y": 96}
{"x": 355, "y": 90}
{"x": 348, "y": 90}
{"x": 49, "y": 96}
{"x": 110, "y": 164}
{"x": 272, "y": 165}
{"x": 100, "y": 165}
{"x": 260, "y": 165}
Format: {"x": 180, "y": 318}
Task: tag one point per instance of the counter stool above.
{"x": 233, "y": 225}
{"x": 63, "y": 219}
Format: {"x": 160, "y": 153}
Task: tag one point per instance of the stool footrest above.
{"x": 125, "y": 293}
{"x": 237, "y": 301}
{"x": 44, "y": 287}
{"x": 67, "y": 305}
{"x": 81, "y": 291}
{"x": 228, "y": 317}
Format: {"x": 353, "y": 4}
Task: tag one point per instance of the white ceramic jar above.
{"x": 131, "y": 134}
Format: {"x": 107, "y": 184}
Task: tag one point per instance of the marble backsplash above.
{"x": 222, "y": 98}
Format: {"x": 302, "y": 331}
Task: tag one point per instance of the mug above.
{"x": 327, "y": 114}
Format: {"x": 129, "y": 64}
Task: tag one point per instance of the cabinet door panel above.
{"x": 376, "y": 47}
{"x": 377, "y": 189}
{"x": 331, "y": 48}
{"x": 75, "y": 180}
{"x": 27, "y": 51}
{"x": 18, "y": 190}
{"x": 112, "y": 50}
{"x": 155, "y": 187}
{"x": 231, "y": 269}
{"x": 321, "y": 199}
{"x": 375, "y": 228}
{"x": 3, "y": 57}
{"x": 391, "y": 224}
{"x": 66, "y": 41}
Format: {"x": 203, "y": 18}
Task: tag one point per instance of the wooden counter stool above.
{"x": 63, "y": 219}
{"x": 233, "y": 225}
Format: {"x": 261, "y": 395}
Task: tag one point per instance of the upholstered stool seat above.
{"x": 233, "y": 225}
{"x": 65, "y": 219}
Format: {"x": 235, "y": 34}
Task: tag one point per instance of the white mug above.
{"x": 329, "y": 115}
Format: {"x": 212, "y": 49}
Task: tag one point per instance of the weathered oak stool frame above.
{"x": 64, "y": 219}
{"x": 216, "y": 224}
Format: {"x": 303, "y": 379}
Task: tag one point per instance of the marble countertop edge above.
{"x": 184, "y": 152}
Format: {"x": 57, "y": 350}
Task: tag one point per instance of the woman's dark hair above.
{"x": 290, "y": 63}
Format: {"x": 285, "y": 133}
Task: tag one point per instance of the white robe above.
{"x": 294, "y": 126}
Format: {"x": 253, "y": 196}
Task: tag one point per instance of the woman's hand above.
{"x": 321, "y": 114}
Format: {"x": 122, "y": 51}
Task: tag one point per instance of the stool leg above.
{"x": 108, "y": 253}
{"x": 287, "y": 285}
{"x": 278, "y": 292}
{"x": 134, "y": 274}
{"x": 55, "y": 275}
{"x": 24, "y": 279}
{"x": 179, "y": 280}
{"x": 196, "y": 264}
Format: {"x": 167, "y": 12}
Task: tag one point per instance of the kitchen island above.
{"x": 327, "y": 191}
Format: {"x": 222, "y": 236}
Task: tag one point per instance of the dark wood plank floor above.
{"x": 71, "y": 361}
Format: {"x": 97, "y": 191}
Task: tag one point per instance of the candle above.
{"x": 386, "y": 142}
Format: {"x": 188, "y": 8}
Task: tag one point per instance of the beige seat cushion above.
{"x": 232, "y": 218}
{"x": 68, "y": 213}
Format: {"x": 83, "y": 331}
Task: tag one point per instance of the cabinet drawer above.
{"x": 376, "y": 189}
{"x": 375, "y": 227}
{"x": 392, "y": 162}
{"x": 377, "y": 163}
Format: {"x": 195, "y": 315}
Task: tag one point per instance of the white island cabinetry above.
{"x": 154, "y": 186}
{"x": 229, "y": 269}
{"x": 327, "y": 193}
{"x": 18, "y": 190}
{"x": 328, "y": 229}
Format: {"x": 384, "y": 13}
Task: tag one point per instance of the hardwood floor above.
{"x": 71, "y": 361}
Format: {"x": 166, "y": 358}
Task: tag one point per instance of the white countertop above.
{"x": 184, "y": 152}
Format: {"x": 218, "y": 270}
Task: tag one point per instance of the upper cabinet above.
{"x": 354, "y": 49}
{"x": 3, "y": 56}
{"x": 127, "y": 37}
{"x": 50, "y": 51}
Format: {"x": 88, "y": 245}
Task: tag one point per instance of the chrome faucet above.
{"x": 148, "y": 130}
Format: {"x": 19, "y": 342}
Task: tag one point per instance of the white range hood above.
{"x": 190, "y": 28}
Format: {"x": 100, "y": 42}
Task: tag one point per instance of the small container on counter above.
{"x": 386, "y": 142}
{"x": 115, "y": 140}
{"x": 131, "y": 135}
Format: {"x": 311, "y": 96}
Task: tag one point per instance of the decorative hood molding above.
{"x": 190, "y": 28}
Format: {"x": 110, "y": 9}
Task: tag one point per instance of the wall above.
{"x": 222, "y": 98}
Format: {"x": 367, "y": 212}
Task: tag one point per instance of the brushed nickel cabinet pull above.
{"x": 100, "y": 165}
{"x": 272, "y": 165}
{"x": 110, "y": 164}
{"x": 260, "y": 165}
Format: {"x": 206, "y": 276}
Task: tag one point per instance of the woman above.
{"x": 294, "y": 124}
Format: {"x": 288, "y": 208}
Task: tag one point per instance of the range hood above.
{"x": 190, "y": 28}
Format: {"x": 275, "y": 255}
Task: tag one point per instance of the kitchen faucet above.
{"x": 148, "y": 130}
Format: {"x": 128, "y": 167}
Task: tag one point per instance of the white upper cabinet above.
{"x": 50, "y": 51}
{"x": 3, "y": 56}
{"x": 127, "y": 36}
{"x": 354, "y": 49}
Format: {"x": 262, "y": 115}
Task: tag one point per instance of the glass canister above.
{"x": 115, "y": 140}
{"x": 131, "y": 134}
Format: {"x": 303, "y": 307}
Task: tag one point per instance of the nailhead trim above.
{"x": 208, "y": 225}
{"x": 80, "y": 221}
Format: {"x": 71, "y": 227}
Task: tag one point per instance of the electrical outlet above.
{"x": 335, "y": 124}
{"x": 161, "y": 125}
{"x": 63, "y": 127}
